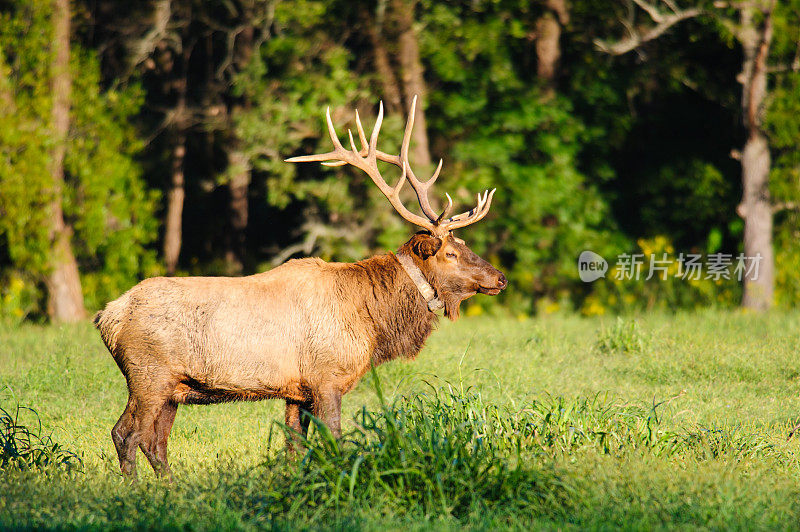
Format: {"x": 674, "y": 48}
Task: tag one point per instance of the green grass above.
{"x": 560, "y": 422}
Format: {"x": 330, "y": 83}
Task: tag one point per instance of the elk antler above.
{"x": 366, "y": 159}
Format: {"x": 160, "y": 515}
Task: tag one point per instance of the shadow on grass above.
{"x": 444, "y": 459}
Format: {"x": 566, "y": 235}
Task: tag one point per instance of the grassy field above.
{"x": 559, "y": 422}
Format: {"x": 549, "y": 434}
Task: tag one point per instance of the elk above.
{"x": 304, "y": 332}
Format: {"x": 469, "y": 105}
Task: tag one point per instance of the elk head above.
{"x": 453, "y": 270}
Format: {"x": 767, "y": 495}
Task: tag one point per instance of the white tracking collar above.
{"x": 427, "y": 291}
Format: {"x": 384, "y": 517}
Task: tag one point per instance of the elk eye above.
{"x": 451, "y": 255}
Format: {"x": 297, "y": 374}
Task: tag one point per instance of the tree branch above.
{"x": 651, "y": 10}
{"x": 664, "y": 21}
{"x": 144, "y": 47}
{"x": 306, "y": 247}
{"x": 785, "y": 206}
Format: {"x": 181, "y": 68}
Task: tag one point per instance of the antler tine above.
{"x": 373, "y": 140}
{"x": 421, "y": 188}
{"x": 329, "y": 158}
{"x": 481, "y": 201}
{"x": 407, "y": 132}
{"x": 435, "y": 175}
{"x": 332, "y": 131}
{"x": 364, "y": 144}
{"x": 361, "y": 136}
{"x": 446, "y": 210}
{"x": 401, "y": 181}
{"x": 352, "y": 144}
{"x": 366, "y": 159}
{"x": 368, "y": 163}
{"x": 470, "y": 217}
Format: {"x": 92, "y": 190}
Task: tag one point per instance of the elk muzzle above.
{"x": 494, "y": 283}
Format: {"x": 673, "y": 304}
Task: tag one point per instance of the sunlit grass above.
{"x": 499, "y": 422}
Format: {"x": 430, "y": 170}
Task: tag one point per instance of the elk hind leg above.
{"x": 120, "y": 435}
{"x": 133, "y": 428}
{"x": 154, "y": 442}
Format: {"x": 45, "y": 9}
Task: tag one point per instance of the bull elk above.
{"x": 304, "y": 332}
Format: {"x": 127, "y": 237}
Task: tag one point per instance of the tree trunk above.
{"x": 173, "y": 225}
{"x": 413, "y": 78}
{"x": 755, "y": 208}
{"x": 177, "y": 66}
{"x": 757, "y": 213}
{"x": 64, "y": 295}
{"x": 239, "y": 184}
{"x": 389, "y": 85}
{"x": 238, "y": 207}
{"x": 754, "y": 33}
{"x": 548, "y": 46}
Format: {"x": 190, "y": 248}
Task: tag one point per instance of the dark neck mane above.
{"x": 399, "y": 313}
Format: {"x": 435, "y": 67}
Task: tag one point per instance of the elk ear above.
{"x": 426, "y": 246}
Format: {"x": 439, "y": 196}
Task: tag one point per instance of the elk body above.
{"x": 304, "y": 332}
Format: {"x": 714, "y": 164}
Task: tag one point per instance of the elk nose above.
{"x": 501, "y": 281}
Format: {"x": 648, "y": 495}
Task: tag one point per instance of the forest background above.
{"x": 149, "y": 138}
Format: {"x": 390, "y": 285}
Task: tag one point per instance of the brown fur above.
{"x": 305, "y": 332}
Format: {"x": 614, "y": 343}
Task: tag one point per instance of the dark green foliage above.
{"x": 784, "y": 133}
{"x": 504, "y": 131}
{"x": 612, "y": 151}
{"x": 442, "y": 453}
{"x": 105, "y": 200}
{"x": 24, "y": 448}
{"x": 448, "y": 453}
{"x": 297, "y": 73}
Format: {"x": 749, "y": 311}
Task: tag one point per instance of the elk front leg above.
{"x": 328, "y": 408}
{"x": 297, "y": 420}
